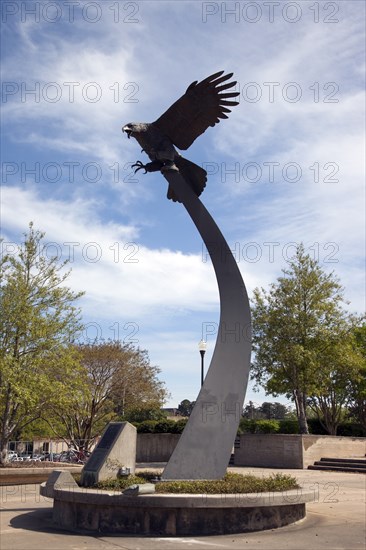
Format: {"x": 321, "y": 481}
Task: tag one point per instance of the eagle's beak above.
{"x": 127, "y": 130}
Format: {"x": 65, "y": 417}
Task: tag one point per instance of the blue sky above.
{"x": 287, "y": 167}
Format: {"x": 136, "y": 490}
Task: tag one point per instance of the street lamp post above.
{"x": 202, "y": 346}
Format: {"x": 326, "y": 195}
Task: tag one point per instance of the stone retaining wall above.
{"x": 155, "y": 447}
{"x": 264, "y": 450}
{"x": 317, "y": 446}
{"x": 294, "y": 450}
{"x": 20, "y": 476}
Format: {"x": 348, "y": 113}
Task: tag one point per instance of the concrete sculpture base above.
{"x": 99, "y": 511}
{"x": 116, "y": 449}
{"x": 204, "y": 448}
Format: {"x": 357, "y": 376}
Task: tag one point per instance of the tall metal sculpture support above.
{"x": 205, "y": 446}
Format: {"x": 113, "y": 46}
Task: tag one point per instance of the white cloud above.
{"x": 109, "y": 264}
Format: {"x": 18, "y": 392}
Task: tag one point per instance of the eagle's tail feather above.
{"x": 192, "y": 173}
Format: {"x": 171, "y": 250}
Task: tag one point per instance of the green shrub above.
{"x": 146, "y": 427}
{"x": 289, "y": 426}
{"x": 315, "y": 427}
{"x": 164, "y": 427}
{"x": 161, "y": 427}
{"x": 179, "y": 426}
{"x": 231, "y": 483}
{"x": 351, "y": 429}
{"x": 267, "y": 426}
{"x": 246, "y": 426}
{"x": 140, "y": 414}
{"x": 119, "y": 483}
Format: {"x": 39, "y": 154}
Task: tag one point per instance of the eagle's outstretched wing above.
{"x": 201, "y": 106}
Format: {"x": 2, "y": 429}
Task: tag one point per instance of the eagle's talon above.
{"x": 139, "y": 166}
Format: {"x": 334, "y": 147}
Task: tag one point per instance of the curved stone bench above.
{"x": 92, "y": 510}
{"x": 36, "y": 474}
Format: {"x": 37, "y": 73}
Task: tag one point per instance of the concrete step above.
{"x": 348, "y": 460}
{"x": 340, "y": 465}
{"x": 353, "y": 469}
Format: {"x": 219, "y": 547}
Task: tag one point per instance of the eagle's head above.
{"x": 134, "y": 128}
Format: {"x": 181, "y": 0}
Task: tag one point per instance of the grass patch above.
{"x": 230, "y": 483}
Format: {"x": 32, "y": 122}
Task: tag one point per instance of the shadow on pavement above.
{"x": 37, "y": 520}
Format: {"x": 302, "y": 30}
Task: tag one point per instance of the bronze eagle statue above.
{"x": 202, "y": 105}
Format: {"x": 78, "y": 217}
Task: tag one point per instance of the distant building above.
{"x": 172, "y": 413}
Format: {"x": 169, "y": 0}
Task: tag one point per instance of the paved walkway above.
{"x": 336, "y": 521}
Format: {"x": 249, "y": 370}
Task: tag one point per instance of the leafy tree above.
{"x": 273, "y": 410}
{"x": 137, "y": 385}
{"x": 252, "y": 412}
{"x": 40, "y": 428}
{"x": 267, "y": 411}
{"x": 357, "y": 394}
{"x": 185, "y": 407}
{"x": 120, "y": 379}
{"x": 140, "y": 414}
{"x": 340, "y": 364}
{"x": 297, "y": 325}
{"x": 37, "y": 323}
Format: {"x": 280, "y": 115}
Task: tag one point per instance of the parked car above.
{"x": 36, "y": 457}
{"x": 12, "y": 455}
{"x": 55, "y": 457}
{"x": 25, "y": 457}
